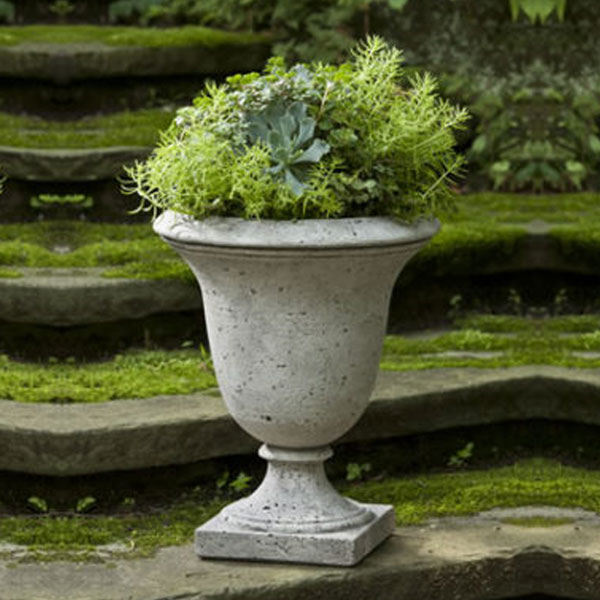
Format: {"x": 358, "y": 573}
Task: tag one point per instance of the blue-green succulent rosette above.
{"x": 309, "y": 142}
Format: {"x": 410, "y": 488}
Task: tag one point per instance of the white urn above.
{"x": 296, "y": 312}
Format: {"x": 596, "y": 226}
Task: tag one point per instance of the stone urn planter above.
{"x": 296, "y": 312}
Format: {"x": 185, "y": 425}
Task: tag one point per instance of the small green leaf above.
{"x": 85, "y": 504}
{"x": 594, "y": 143}
{"x": 397, "y": 4}
{"x": 314, "y": 153}
{"x": 38, "y": 504}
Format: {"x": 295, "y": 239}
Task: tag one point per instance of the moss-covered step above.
{"x": 66, "y": 297}
{"x": 64, "y": 440}
{"x": 69, "y": 53}
{"x": 68, "y": 165}
{"x": 83, "y": 150}
{"x": 485, "y": 556}
{"x": 495, "y": 233}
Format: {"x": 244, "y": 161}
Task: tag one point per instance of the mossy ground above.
{"x": 135, "y": 374}
{"x": 504, "y": 341}
{"x": 416, "y": 498}
{"x": 135, "y": 128}
{"x": 190, "y": 35}
{"x": 133, "y": 251}
{"x": 485, "y": 231}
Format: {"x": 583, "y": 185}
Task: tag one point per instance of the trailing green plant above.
{"x": 312, "y": 141}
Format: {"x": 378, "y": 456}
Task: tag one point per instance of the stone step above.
{"x": 471, "y": 558}
{"x": 65, "y": 297}
{"x": 68, "y": 165}
{"x": 62, "y": 63}
{"x": 68, "y": 297}
{"x": 66, "y": 440}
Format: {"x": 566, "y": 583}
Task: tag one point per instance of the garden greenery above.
{"x": 312, "y": 141}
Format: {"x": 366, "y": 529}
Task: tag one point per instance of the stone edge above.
{"x": 69, "y": 440}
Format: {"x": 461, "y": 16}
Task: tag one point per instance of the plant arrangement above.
{"x": 309, "y": 142}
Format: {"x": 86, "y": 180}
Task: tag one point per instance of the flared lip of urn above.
{"x": 304, "y": 233}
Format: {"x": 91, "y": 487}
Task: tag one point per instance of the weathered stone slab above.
{"x": 63, "y": 63}
{"x": 63, "y": 297}
{"x": 68, "y": 165}
{"x": 68, "y": 440}
{"x": 477, "y": 558}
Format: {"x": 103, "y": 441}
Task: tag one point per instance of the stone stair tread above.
{"x": 74, "y": 296}
{"x": 68, "y": 164}
{"x": 68, "y": 440}
{"x": 465, "y": 557}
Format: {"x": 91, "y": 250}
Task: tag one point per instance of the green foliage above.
{"x": 126, "y": 10}
{"x": 45, "y": 200}
{"x": 538, "y": 9}
{"x": 135, "y": 374}
{"x": 144, "y": 37}
{"x": 537, "y": 129}
{"x": 307, "y": 30}
{"x": 356, "y": 471}
{"x": 128, "y": 128}
{"x": 379, "y": 145}
{"x": 7, "y": 11}
{"x": 86, "y": 504}
{"x": 535, "y": 482}
{"x": 461, "y": 457}
{"x": 62, "y": 8}
{"x": 37, "y": 504}
{"x": 289, "y": 134}
{"x": 416, "y": 498}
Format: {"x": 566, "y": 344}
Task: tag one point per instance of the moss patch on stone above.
{"x": 189, "y": 35}
{"x": 483, "y": 233}
{"x": 538, "y": 521}
{"x": 131, "y": 128}
{"x": 133, "y": 251}
{"x": 535, "y": 482}
{"x": 135, "y": 374}
{"x": 524, "y": 208}
{"x": 494, "y": 341}
{"x": 142, "y": 374}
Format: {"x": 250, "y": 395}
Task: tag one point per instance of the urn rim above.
{"x": 235, "y": 232}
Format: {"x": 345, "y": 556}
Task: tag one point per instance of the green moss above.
{"x": 461, "y": 247}
{"x": 10, "y": 273}
{"x": 124, "y": 36}
{"x": 523, "y": 208}
{"x": 475, "y": 239}
{"x": 514, "y": 324}
{"x": 137, "y": 128}
{"x": 538, "y": 521}
{"x": 76, "y": 537}
{"x": 548, "y": 341}
{"x": 144, "y": 374}
{"x": 158, "y": 269}
{"x": 135, "y": 249}
{"x": 136, "y": 374}
{"x": 536, "y": 482}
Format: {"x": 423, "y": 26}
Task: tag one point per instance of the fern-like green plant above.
{"x": 313, "y": 141}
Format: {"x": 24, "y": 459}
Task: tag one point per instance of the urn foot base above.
{"x": 219, "y": 538}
